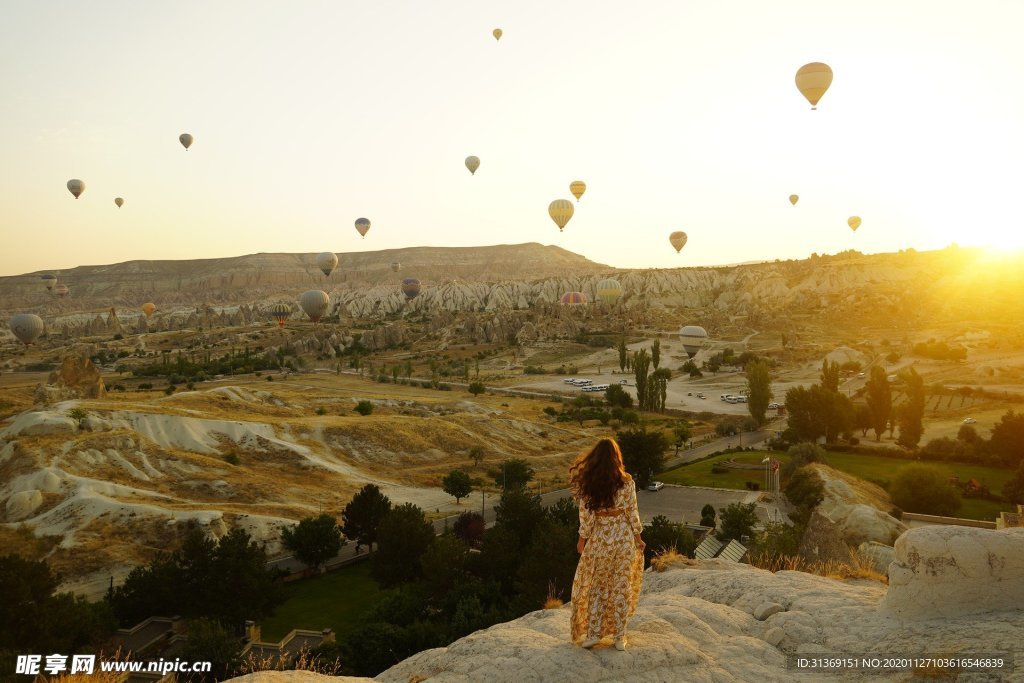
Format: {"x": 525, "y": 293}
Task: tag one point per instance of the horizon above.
{"x": 677, "y": 117}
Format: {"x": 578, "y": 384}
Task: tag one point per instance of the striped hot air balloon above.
{"x": 411, "y": 288}
{"x": 280, "y": 312}
{"x": 315, "y": 303}
{"x": 573, "y": 298}
{"x": 608, "y": 291}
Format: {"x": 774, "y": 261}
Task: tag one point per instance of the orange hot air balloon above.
{"x": 148, "y": 309}
{"x": 812, "y": 80}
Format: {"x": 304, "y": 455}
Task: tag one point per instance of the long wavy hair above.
{"x": 597, "y": 475}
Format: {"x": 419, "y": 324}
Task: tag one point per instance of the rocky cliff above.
{"x": 715, "y": 620}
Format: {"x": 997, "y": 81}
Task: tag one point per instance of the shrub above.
{"x": 145, "y": 386}
{"x": 77, "y": 414}
{"x": 718, "y": 469}
{"x": 170, "y": 389}
{"x": 548, "y": 410}
{"x": 924, "y": 489}
{"x": 364, "y": 407}
{"x": 476, "y": 388}
{"x": 321, "y": 410}
{"x": 800, "y": 455}
{"x": 231, "y": 458}
{"x": 269, "y": 378}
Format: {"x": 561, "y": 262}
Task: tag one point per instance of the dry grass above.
{"x": 670, "y": 558}
{"x": 304, "y": 661}
{"x": 858, "y": 566}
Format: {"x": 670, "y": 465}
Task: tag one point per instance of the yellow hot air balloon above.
{"x": 119, "y": 202}
{"x": 327, "y": 262}
{"x": 186, "y": 140}
{"x": 496, "y": 33}
{"x": 577, "y": 187}
{"x": 148, "y": 309}
{"x": 472, "y": 163}
{"x": 678, "y": 240}
{"x": 76, "y": 187}
{"x": 363, "y": 226}
{"x": 793, "y": 199}
{"x": 560, "y": 211}
{"x": 608, "y": 291}
{"x": 813, "y": 80}
{"x": 853, "y": 222}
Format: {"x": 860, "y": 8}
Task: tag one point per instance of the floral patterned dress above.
{"x": 607, "y": 584}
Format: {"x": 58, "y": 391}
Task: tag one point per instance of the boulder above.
{"x": 947, "y": 571}
{"x": 22, "y": 504}
{"x": 40, "y": 423}
{"x": 881, "y": 556}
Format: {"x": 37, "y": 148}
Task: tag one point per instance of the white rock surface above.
{"x": 22, "y": 504}
{"x": 40, "y": 423}
{"x": 955, "y": 570}
{"x": 881, "y": 555}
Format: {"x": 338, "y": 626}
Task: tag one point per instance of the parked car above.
{"x": 656, "y": 486}
{"x": 773, "y": 405}
{"x": 571, "y": 380}
{"x": 969, "y": 421}
{"x": 701, "y": 396}
{"x": 624, "y": 381}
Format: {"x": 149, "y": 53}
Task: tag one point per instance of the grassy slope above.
{"x": 868, "y": 467}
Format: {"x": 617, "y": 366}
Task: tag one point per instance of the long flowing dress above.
{"x": 608, "y": 577}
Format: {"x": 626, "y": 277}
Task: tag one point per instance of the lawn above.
{"x": 334, "y": 600}
{"x": 877, "y": 469}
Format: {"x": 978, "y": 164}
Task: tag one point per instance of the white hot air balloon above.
{"x": 693, "y": 337}
{"x": 315, "y": 303}
{"x": 27, "y": 327}
{"x": 76, "y": 187}
{"x": 327, "y": 262}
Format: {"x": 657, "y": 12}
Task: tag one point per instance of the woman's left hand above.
{"x": 580, "y": 545}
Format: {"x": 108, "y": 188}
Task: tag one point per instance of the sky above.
{"x": 679, "y": 115}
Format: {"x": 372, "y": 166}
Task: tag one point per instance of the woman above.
{"x": 607, "y": 584}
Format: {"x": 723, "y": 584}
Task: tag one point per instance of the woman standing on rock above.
{"x": 607, "y": 584}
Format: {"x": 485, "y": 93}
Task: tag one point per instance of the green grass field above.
{"x": 335, "y": 600}
{"x": 877, "y": 469}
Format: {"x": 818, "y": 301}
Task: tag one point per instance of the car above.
{"x": 773, "y": 405}
{"x": 571, "y": 380}
{"x": 860, "y": 375}
{"x": 655, "y": 486}
{"x": 701, "y": 395}
{"x": 969, "y": 421}
{"x": 624, "y": 381}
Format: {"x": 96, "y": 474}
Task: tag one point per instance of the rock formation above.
{"x": 77, "y": 377}
{"x": 715, "y": 620}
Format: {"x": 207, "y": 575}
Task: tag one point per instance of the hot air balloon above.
{"x": 573, "y": 298}
{"x": 148, "y": 309}
{"x": 560, "y": 211}
{"x": 813, "y": 80}
{"x": 853, "y": 222}
{"x": 26, "y": 327}
{"x": 608, "y": 291}
{"x": 793, "y": 199}
{"x": 61, "y": 290}
{"x": 678, "y": 240}
{"x": 280, "y": 312}
{"x": 693, "y": 337}
{"x": 315, "y": 303}
{"x": 577, "y": 187}
{"x": 363, "y": 226}
{"x": 395, "y": 266}
{"x": 119, "y": 202}
{"x": 76, "y": 187}
{"x": 472, "y": 163}
{"x": 411, "y": 288}
{"x": 186, "y": 140}
{"x": 496, "y": 33}
{"x": 49, "y": 280}
{"x": 326, "y": 262}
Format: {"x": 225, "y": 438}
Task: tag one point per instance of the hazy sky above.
{"x": 679, "y": 115}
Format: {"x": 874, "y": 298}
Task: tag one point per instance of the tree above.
{"x": 662, "y": 535}
{"x": 364, "y": 407}
{"x": 444, "y": 565}
{"x": 457, "y": 484}
{"x": 736, "y": 521}
{"x": 1007, "y": 442}
{"x": 643, "y": 453}
{"x": 969, "y": 435}
{"x": 622, "y": 354}
{"x": 362, "y": 516}
{"x": 830, "y": 375}
{"x": 759, "y": 389}
{"x": 815, "y": 412}
{"x": 862, "y": 418}
{"x": 656, "y": 353}
{"x": 210, "y": 641}
{"x": 314, "y": 540}
{"x": 477, "y": 388}
{"x": 520, "y": 512}
{"x": 514, "y": 473}
{"x": 924, "y": 489}
{"x": 548, "y": 565}
{"x": 682, "y": 434}
{"x": 402, "y": 538}
{"x": 879, "y": 400}
{"x": 35, "y": 619}
{"x": 1013, "y": 489}
{"x": 476, "y": 453}
{"x": 469, "y": 527}
{"x": 805, "y": 488}
{"x": 615, "y": 395}
{"x": 707, "y": 515}
{"x": 641, "y": 363}
{"x": 911, "y": 413}
{"x": 800, "y": 455}
{"x": 240, "y": 585}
